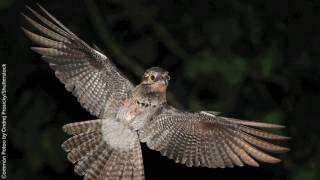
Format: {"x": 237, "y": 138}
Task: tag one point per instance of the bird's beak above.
{"x": 166, "y": 79}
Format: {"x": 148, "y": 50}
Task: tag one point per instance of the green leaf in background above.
{"x": 231, "y": 68}
{"x": 274, "y": 117}
{"x": 304, "y": 173}
{"x": 267, "y": 62}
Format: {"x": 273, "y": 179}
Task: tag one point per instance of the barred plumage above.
{"x": 78, "y": 139}
{"x": 204, "y": 139}
{"x": 84, "y": 126}
{"x": 84, "y": 164}
{"x": 109, "y": 147}
{"x": 84, "y": 71}
{"x": 96, "y": 159}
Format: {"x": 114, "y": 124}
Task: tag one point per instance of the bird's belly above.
{"x": 134, "y": 118}
{"x": 117, "y": 135}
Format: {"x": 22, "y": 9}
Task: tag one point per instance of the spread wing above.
{"x": 85, "y": 71}
{"x": 208, "y": 140}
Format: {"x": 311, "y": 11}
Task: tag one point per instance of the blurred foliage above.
{"x": 6, "y": 4}
{"x": 247, "y": 59}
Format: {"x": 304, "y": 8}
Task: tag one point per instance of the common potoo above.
{"x": 109, "y": 147}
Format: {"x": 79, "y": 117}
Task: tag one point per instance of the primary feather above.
{"x": 109, "y": 147}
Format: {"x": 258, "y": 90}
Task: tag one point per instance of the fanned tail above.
{"x": 97, "y": 160}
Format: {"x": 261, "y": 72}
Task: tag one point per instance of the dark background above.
{"x": 256, "y": 60}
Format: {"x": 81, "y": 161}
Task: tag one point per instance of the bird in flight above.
{"x": 109, "y": 147}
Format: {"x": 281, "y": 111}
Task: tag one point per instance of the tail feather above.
{"x": 96, "y": 159}
{"x": 118, "y": 167}
{"x": 138, "y": 171}
{"x": 127, "y": 171}
{"x": 96, "y": 167}
{"x": 82, "y": 166}
{"x": 84, "y": 149}
{"x": 109, "y": 166}
{"x": 80, "y": 127}
{"x": 78, "y": 139}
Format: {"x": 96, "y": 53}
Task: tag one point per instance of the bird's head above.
{"x": 157, "y": 79}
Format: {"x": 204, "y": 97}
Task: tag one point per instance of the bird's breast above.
{"x": 135, "y": 113}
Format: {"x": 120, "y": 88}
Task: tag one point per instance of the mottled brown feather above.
{"x": 72, "y": 59}
{"x": 204, "y": 139}
{"x": 78, "y": 139}
{"x": 83, "y": 126}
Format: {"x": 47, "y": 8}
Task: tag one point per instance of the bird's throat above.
{"x": 152, "y": 93}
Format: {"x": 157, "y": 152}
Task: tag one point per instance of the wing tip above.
{"x": 23, "y": 29}
{"x": 39, "y": 5}
{"x": 43, "y": 9}
{"x": 266, "y": 125}
{"x": 285, "y": 149}
{"x": 37, "y": 50}
{"x": 71, "y": 158}
{"x": 27, "y": 32}
{"x": 26, "y": 17}
{"x": 32, "y": 10}
{"x": 277, "y": 126}
{"x": 23, "y": 15}
{"x": 274, "y": 160}
{"x": 65, "y": 129}
{"x": 64, "y": 148}
{"x": 284, "y": 138}
{"x": 42, "y": 51}
{"x": 256, "y": 165}
{"x": 29, "y": 8}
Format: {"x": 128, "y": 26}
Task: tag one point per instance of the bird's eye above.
{"x": 152, "y": 77}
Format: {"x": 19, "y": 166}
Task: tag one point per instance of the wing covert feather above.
{"x": 85, "y": 71}
{"x": 209, "y": 140}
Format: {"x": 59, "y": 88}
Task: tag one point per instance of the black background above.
{"x": 247, "y": 59}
